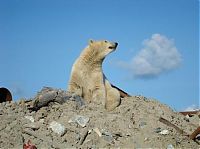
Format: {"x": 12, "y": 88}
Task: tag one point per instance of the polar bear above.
{"x": 87, "y": 77}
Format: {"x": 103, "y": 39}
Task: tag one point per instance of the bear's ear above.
{"x": 90, "y": 41}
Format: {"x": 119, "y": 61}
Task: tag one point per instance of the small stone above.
{"x": 89, "y": 131}
{"x": 8, "y": 104}
{"x": 57, "y": 128}
{"x": 34, "y": 126}
{"x": 107, "y": 136}
{"x": 164, "y": 132}
{"x": 142, "y": 124}
{"x": 41, "y": 120}
{"x": 78, "y": 99}
{"x": 81, "y": 120}
{"x": 170, "y": 146}
{"x": 146, "y": 139}
{"x": 187, "y": 118}
{"x": 3, "y": 104}
{"x": 30, "y": 118}
{"x": 97, "y": 131}
{"x": 129, "y": 126}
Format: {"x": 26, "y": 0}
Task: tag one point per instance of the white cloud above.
{"x": 158, "y": 55}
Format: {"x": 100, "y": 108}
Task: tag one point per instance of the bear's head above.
{"x": 102, "y": 48}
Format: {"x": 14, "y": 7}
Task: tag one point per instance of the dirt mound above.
{"x": 64, "y": 121}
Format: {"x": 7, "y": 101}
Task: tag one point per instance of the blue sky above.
{"x": 157, "y": 56}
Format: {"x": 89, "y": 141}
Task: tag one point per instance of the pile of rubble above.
{"x": 57, "y": 119}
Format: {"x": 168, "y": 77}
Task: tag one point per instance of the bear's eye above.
{"x": 105, "y": 41}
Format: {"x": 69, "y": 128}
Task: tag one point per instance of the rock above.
{"x": 107, "y": 136}
{"x": 187, "y": 118}
{"x": 78, "y": 99}
{"x": 62, "y": 96}
{"x": 34, "y": 125}
{"x": 57, "y": 128}
{"x": 30, "y": 118}
{"x": 146, "y": 139}
{"x": 170, "y": 146}
{"x": 3, "y": 104}
{"x": 164, "y": 132}
{"x": 142, "y": 124}
{"x": 47, "y": 95}
{"x": 81, "y": 120}
{"x": 41, "y": 120}
{"x": 97, "y": 131}
{"x": 44, "y": 97}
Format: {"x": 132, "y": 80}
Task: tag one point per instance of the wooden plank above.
{"x": 168, "y": 123}
{"x": 195, "y": 133}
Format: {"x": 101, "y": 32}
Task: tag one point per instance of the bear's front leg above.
{"x": 98, "y": 88}
{"x": 76, "y": 89}
{"x": 112, "y": 97}
{"x": 99, "y": 95}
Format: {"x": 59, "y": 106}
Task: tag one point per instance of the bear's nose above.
{"x": 116, "y": 44}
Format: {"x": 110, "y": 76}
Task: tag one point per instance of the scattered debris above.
{"x": 81, "y": 120}
{"x": 172, "y": 125}
{"x": 187, "y": 118}
{"x": 85, "y": 134}
{"x": 47, "y": 95}
{"x": 97, "y": 131}
{"x": 107, "y": 136}
{"x": 80, "y": 102}
{"x": 164, "y": 132}
{"x": 142, "y": 124}
{"x": 57, "y": 128}
{"x": 170, "y": 146}
{"x": 33, "y": 125}
{"x": 28, "y": 145}
{"x": 30, "y": 118}
{"x": 64, "y": 122}
{"x": 195, "y": 133}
